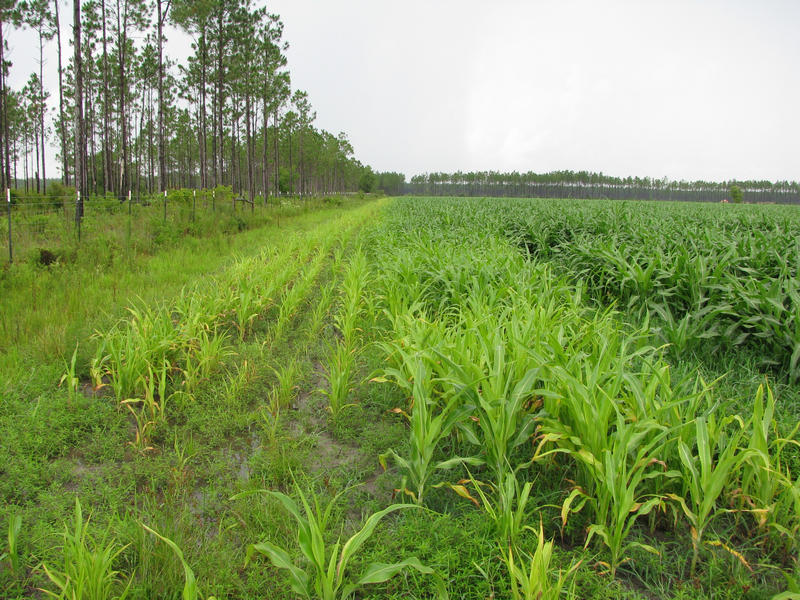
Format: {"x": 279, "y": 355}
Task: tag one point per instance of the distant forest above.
{"x": 584, "y": 184}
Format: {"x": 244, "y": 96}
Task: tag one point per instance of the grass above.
{"x": 520, "y": 397}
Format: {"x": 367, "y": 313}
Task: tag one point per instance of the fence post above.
{"x": 78, "y": 212}
{"x": 165, "y": 206}
{"x": 10, "y": 247}
{"x": 194, "y": 203}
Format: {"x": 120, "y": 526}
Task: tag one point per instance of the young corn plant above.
{"x": 248, "y": 305}
{"x": 763, "y": 478}
{"x": 339, "y": 373}
{"x": 324, "y": 573}
{"x": 150, "y": 411}
{"x": 321, "y": 309}
{"x": 429, "y": 422}
{"x": 616, "y": 498}
{"x": 536, "y": 581}
{"x": 87, "y": 571}
{"x": 286, "y": 375}
{"x": 70, "y": 377}
{"x": 190, "y": 591}
{"x": 708, "y": 467}
{"x": 12, "y": 551}
{"x": 236, "y": 382}
{"x": 506, "y": 507}
{"x": 499, "y": 399}
{"x": 203, "y": 356}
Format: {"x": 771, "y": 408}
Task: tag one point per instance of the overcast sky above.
{"x": 684, "y": 89}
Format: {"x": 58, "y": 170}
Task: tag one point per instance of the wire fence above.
{"x": 47, "y": 229}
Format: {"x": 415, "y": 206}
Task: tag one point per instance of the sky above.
{"x": 683, "y": 89}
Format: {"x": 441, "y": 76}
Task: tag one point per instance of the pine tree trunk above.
{"x": 220, "y": 97}
{"x": 80, "y": 146}
{"x": 108, "y": 165}
{"x": 5, "y": 171}
{"x": 250, "y": 157}
{"x": 122, "y": 27}
{"x": 162, "y": 158}
{"x": 264, "y": 157}
{"x": 42, "y": 109}
{"x": 277, "y": 169}
{"x": 203, "y": 158}
{"x": 62, "y": 127}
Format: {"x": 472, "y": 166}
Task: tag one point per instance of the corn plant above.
{"x": 12, "y": 551}
{"x": 184, "y": 452}
{"x": 87, "y": 571}
{"x": 248, "y": 305}
{"x": 618, "y": 475}
{"x": 354, "y": 282}
{"x": 763, "y": 478}
{"x": 321, "y": 309}
{"x": 430, "y": 422}
{"x": 708, "y": 468}
{"x": 126, "y": 352}
{"x": 499, "y": 401}
{"x": 286, "y": 375}
{"x": 150, "y": 410}
{"x": 339, "y": 373}
{"x": 70, "y": 376}
{"x": 243, "y": 375}
{"x": 190, "y": 591}
{"x": 506, "y": 507}
{"x": 203, "y": 355}
{"x": 270, "y": 421}
{"x": 324, "y": 575}
{"x": 536, "y": 581}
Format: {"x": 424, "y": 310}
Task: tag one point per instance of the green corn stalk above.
{"x": 428, "y": 426}
{"x": 506, "y": 507}
{"x": 87, "y": 569}
{"x": 708, "y": 468}
{"x": 203, "y": 356}
{"x": 71, "y": 377}
{"x": 537, "y": 581}
{"x": 190, "y": 590}
{"x": 12, "y": 552}
{"x": 286, "y": 375}
{"x": 619, "y": 473}
{"x": 763, "y": 478}
{"x": 321, "y": 309}
{"x": 325, "y": 575}
{"x": 339, "y": 373}
{"x": 499, "y": 400}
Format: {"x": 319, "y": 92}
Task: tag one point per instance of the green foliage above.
{"x": 736, "y": 194}
{"x": 536, "y": 581}
{"x": 326, "y": 575}
{"x": 366, "y": 183}
{"x": 87, "y": 571}
{"x": 190, "y": 588}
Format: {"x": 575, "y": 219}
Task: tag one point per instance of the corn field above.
{"x": 535, "y": 343}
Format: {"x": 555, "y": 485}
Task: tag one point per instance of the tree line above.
{"x": 130, "y": 117}
{"x": 585, "y": 184}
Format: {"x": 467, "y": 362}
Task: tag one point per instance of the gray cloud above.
{"x": 683, "y": 89}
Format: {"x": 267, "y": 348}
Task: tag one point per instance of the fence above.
{"x": 47, "y": 229}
